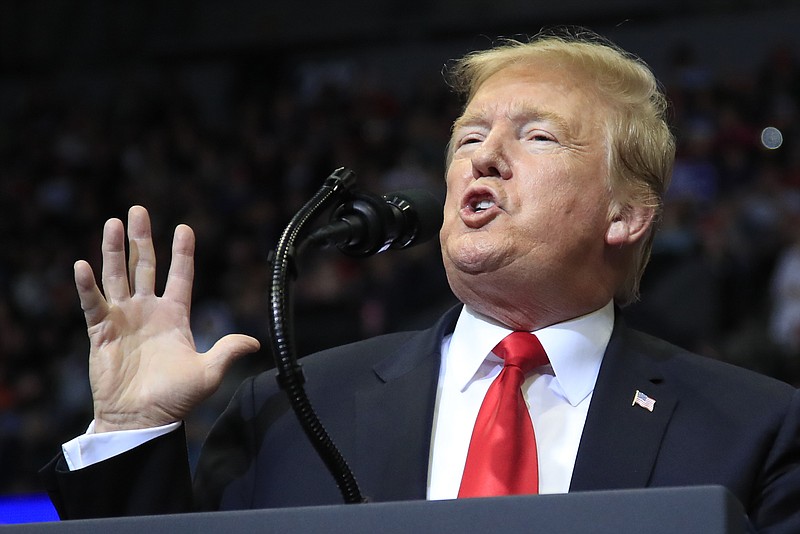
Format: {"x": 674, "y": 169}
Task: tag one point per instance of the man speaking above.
{"x": 555, "y": 177}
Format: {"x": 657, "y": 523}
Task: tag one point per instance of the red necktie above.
{"x": 502, "y": 457}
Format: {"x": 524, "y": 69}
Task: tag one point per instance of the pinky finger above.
{"x": 93, "y": 303}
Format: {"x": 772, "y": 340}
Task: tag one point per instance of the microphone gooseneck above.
{"x": 290, "y": 374}
{"x": 363, "y": 224}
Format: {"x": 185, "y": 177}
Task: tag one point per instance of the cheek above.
{"x": 451, "y": 215}
{"x": 454, "y": 176}
{"x": 454, "y": 192}
{"x": 574, "y": 191}
{"x": 561, "y": 210}
{"x": 451, "y": 197}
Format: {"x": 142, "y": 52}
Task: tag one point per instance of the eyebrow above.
{"x": 518, "y": 112}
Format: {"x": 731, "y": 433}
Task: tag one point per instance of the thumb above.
{"x": 226, "y": 351}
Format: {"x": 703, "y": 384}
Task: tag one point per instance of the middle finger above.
{"x": 142, "y": 261}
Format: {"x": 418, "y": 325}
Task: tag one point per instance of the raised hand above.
{"x": 143, "y": 366}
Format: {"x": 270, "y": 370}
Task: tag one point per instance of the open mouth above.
{"x": 481, "y": 205}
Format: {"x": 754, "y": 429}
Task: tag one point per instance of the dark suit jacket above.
{"x": 712, "y": 424}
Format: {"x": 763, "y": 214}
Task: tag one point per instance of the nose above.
{"x": 491, "y": 160}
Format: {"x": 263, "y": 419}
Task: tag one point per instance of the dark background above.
{"x": 228, "y": 115}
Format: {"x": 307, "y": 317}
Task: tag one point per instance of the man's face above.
{"x": 527, "y": 205}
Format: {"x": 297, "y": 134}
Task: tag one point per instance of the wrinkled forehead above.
{"x": 562, "y": 75}
{"x": 558, "y": 93}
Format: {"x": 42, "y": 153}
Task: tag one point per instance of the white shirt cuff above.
{"x": 91, "y": 448}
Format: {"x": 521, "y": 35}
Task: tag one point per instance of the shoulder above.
{"x": 710, "y": 381}
{"x": 369, "y": 359}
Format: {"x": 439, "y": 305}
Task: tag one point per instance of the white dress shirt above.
{"x": 91, "y": 448}
{"x": 558, "y": 394}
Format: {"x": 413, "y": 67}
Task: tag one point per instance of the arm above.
{"x": 143, "y": 366}
{"x": 153, "y": 478}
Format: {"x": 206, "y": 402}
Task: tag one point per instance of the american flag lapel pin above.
{"x": 644, "y": 401}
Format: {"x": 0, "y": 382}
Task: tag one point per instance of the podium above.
{"x": 691, "y": 510}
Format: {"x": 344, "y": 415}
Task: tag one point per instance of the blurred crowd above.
{"x": 724, "y": 278}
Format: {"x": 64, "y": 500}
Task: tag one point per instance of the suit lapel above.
{"x": 394, "y": 418}
{"x": 621, "y": 440}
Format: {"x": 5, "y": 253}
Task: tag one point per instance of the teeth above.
{"x": 484, "y": 205}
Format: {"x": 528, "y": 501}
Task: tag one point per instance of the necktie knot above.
{"x": 523, "y": 350}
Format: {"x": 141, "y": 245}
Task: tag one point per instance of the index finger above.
{"x": 181, "y": 268}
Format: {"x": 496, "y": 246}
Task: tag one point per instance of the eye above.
{"x": 542, "y": 136}
{"x": 468, "y": 139}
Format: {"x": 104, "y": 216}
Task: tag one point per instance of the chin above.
{"x": 471, "y": 264}
{"x": 473, "y": 253}
{"x": 473, "y": 280}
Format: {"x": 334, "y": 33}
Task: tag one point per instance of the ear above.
{"x": 629, "y": 226}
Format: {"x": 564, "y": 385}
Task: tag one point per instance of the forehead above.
{"x": 542, "y": 90}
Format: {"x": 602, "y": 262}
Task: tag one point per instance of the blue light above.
{"x": 26, "y": 509}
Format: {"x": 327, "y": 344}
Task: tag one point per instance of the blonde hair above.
{"x": 641, "y": 145}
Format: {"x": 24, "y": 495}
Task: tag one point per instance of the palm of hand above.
{"x": 144, "y": 368}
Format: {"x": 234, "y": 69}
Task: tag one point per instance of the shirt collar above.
{"x": 575, "y": 348}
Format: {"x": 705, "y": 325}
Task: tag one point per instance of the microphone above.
{"x": 368, "y": 224}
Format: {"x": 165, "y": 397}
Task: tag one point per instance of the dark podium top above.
{"x": 700, "y": 510}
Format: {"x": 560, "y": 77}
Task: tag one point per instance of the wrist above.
{"x": 103, "y": 424}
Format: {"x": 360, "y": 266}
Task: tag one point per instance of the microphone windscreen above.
{"x": 424, "y": 210}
